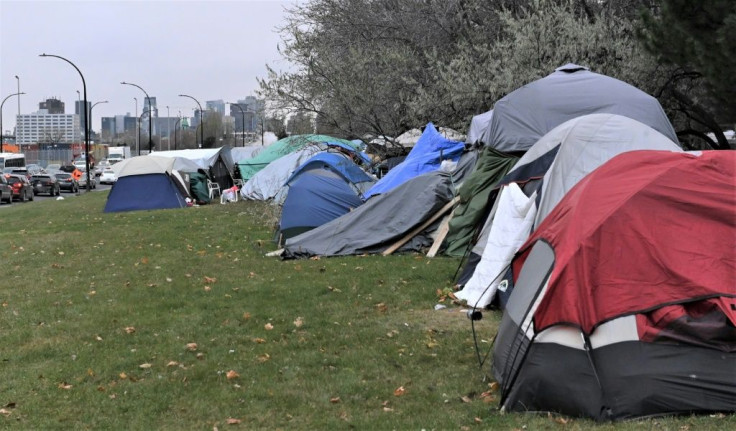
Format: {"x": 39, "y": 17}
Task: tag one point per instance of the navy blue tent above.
{"x": 147, "y": 183}
{"x": 322, "y": 189}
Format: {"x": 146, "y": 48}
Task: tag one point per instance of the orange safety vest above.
{"x": 77, "y": 174}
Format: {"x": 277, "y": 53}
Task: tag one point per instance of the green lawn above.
{"x": 176, "y": 320}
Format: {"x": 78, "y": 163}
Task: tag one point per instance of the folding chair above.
{"x": 213, "y": 189}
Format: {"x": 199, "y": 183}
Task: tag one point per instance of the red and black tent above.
{"x": 624, "y": 298}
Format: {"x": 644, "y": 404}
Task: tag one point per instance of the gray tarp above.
{"x": 528, "y": 113}
{"x": 384, "y": 219}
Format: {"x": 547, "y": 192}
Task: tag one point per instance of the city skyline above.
{"x": 213, "y": 50}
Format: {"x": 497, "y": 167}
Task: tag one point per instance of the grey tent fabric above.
{"x": 385, "y": 218}
{"x": 480, "y": 128}
{"x": 528, "y": 113}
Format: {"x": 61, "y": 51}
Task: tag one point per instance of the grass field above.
{"x": 176, "y": 320}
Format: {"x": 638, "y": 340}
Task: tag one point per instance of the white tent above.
{"x": 581, "y": 145}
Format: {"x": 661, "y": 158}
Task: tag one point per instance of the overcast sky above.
{"x": 208, "y": 49}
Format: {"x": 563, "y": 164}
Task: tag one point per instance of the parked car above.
{"x": 52, "y": 167}
{"x": 45, "y": 183}
{"x": 67, "y": 182}
{"x": 34, "y": 168}
{"x": 22, "y": 188}
{"x": 6, "y": 191}
{"x": 99, "y": 167}
{"x": 108, "y": 176}
{"x": 83, "y": 181}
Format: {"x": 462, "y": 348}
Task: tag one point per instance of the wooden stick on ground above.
{"x": 421, "y": 227}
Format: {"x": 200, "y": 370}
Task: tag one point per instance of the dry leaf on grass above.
{"x": 207, "y": 288}
{"x": 172, "y": 364}
{"x": 381, "y": 307}
{"x": 264, "y": 357}
{"x": 123, "y": 376}
{"x": 129, "y": 329}
{"x": 466, "y": 399}
{"x": 335, "y": 400}
{"x": 259, "y": 340}
{"x": 233, "y": 421}
{"x": 246, "y": 316}
{"x": 298, "y": 322}
{"x": 268, "y": 326}
{"x": 210, "y": 280}
{"x": 191, "y": 346}
{"x": 399, "y": 391}
{"x": 5, "y": 412}
{"x": 64, "y": 385}
{"x": 145, "y": 366}
{"x": 232, "y": 374}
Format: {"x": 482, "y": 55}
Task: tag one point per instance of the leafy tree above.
{"x": 697, "y": 38}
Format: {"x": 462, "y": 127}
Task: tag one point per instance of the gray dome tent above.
{"x": 528, "y": 113}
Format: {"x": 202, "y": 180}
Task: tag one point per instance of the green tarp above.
{"x": 474, "y": 199}
{"x": 280, "y": 148}
{"x": 198, "y": 186}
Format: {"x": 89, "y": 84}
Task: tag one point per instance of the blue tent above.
{"x": 426, "y": 156}
{"x": 147, "y": 183}
{"x": 322, "y": 189}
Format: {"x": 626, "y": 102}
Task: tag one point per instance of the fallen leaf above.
{"x": 388, "y": 409}
{"x": 200, "y": 356}
{"x": 232, "y": 374}
{"x": 191, "y": 346}
{"x": 259, "y": 340}
{"x": 466, "y": 399}
{"x": 144, "y": 260}
{"x": 264, "y": 357}
{"x": 298, "y": 322}
{"x": 210, "y": 280}
{"x": 207, "y": 288}
{"x": 98, "y": 338}
{"x": 478, "y": 420}
{"x": 246, "y": 316}
{"x": 5, "y": 412}
{"x": 233, "y": 421}
{"x": 268, "y": 326}
{"x": 562, "y": 421}
{"x": 335, "y": 400}
{"x": 64, "y": 385}
{"x": 399, "y": 391}
{"x": 129, "y": 329}
{"x": 381, "y": 307}
{"x": 123, "y": 376}
{"x": 145, "y": 366}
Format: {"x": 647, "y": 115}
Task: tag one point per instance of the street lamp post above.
{"x": 18, "y": 79}
{"x": 242, "y": 116}
{"x": 175, "y": 126}
{"x": 86, "y": 120}
{"x": 137, "y": 128}
{"x": 1, "y": 117}
{"x": 90, "y": 116}
{"x": 150, "y": 117}
{"x": 201, "y": 119}
{"x": 168, "y": 130}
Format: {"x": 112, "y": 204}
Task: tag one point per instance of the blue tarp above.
{"x": 423, "y": 158}
{"x": 144, "y": 192}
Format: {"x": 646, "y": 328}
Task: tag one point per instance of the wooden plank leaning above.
{"x": 421, "y": 227}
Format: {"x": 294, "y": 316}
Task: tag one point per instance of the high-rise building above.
{"x": 250, "y": 115}
{"x": 79, "y": 110}
{"x": 215, "y": 106}
{"x": 52, "y": 106}
{"x": 45, "y": 128}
